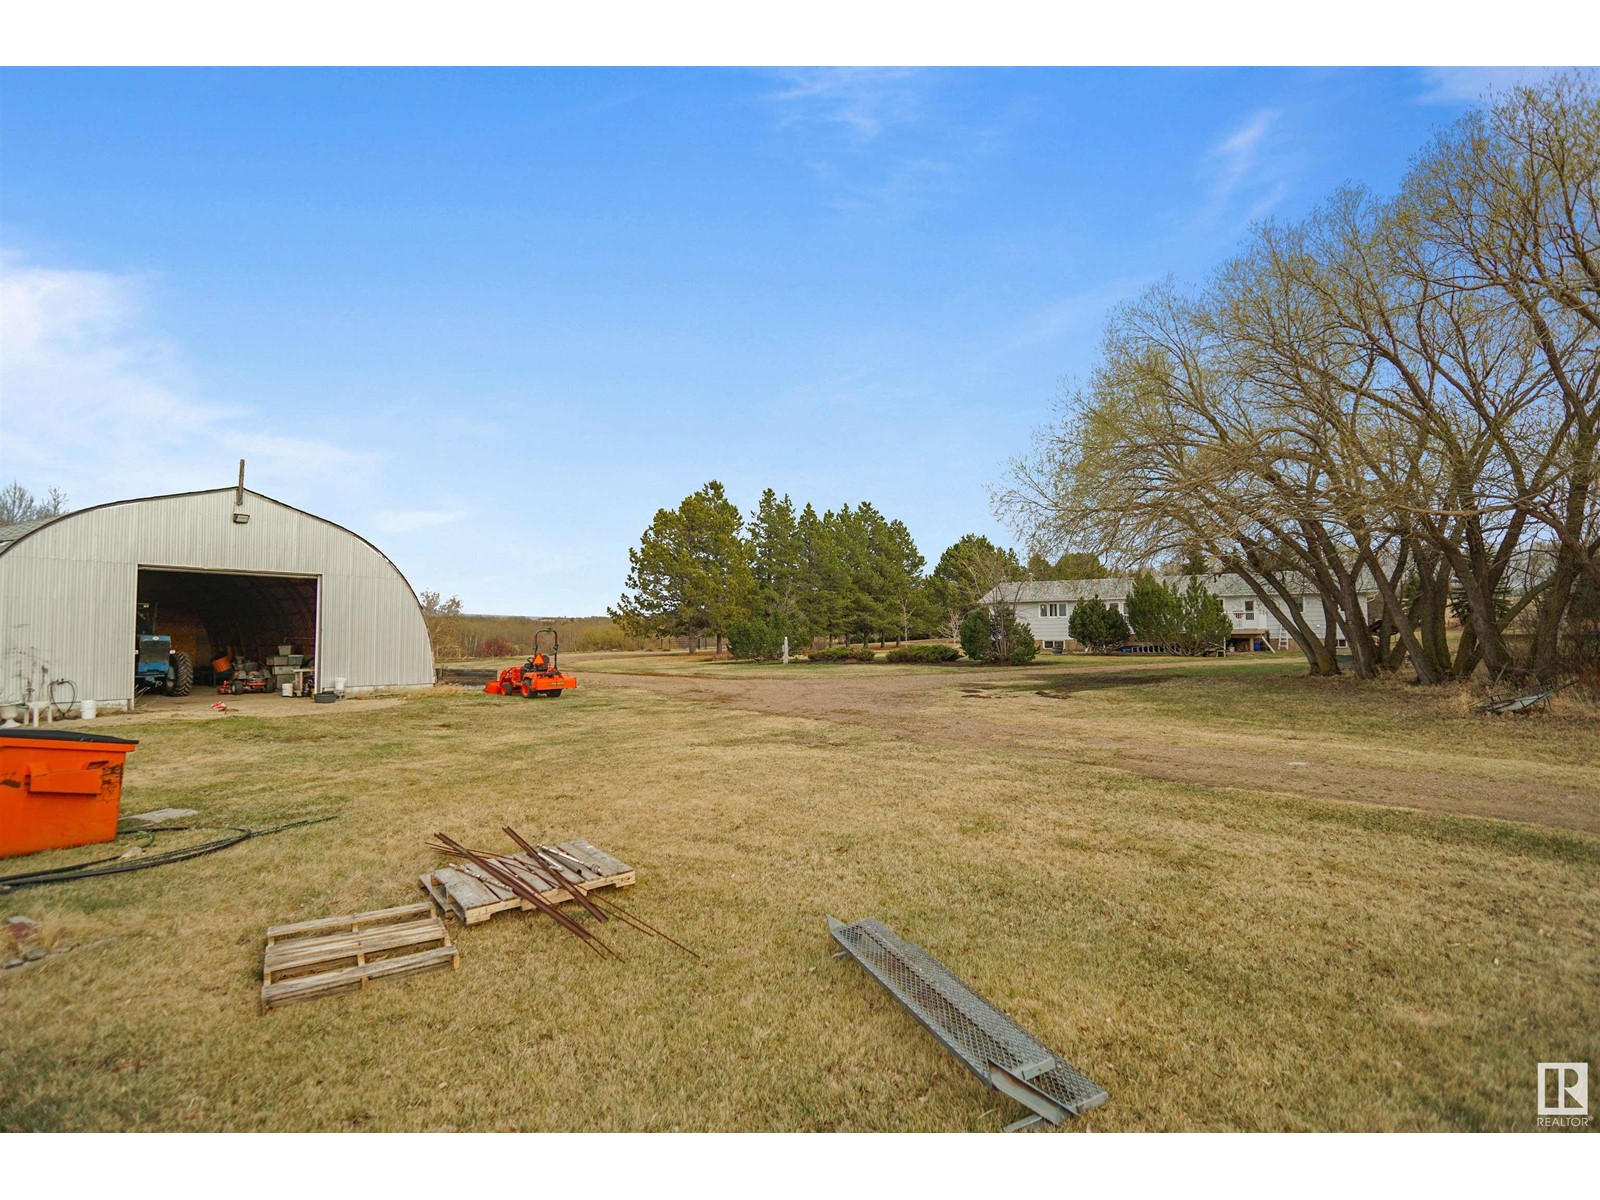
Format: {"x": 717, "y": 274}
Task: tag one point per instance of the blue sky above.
{"x": 493, "y": 320}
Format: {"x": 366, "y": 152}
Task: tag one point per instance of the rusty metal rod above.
{"x": 488, "y": 866}
{"x": 643, "y": 926}
{"x": 635, "y": 922}
{"x": 519, "y": 888}
{"x": 575, "y": 890}
{"x": 638, "y": 922}
{"x": 536, "y": 868}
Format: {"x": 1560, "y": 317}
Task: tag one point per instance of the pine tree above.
{"x": 690, "y": 574}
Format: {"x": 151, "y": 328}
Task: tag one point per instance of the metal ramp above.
{"x": 992, "y": 1046}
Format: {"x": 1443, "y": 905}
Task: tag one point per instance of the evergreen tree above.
{"x": 690, "y": 574}
{"x": 777, "y": 559}
{"x": 977, "y": 635}
{"x": 906, "y": 592}
{"x": 1155, "y": 611}
{"x": 1203, "y": 622}
{"x": 1077, "y": 566}
{"x": 965, "y": 572}
{"x": 1096, "y": 627}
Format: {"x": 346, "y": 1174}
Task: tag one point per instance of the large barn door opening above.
{"x": 230, "y": 623}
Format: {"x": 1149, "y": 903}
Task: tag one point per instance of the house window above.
{"x": 1042, "y": 608}
{"x": 1249, "y": 610}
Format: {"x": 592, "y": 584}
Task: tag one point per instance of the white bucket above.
{"x": 338, "y": 686}
{"x": 87, "y": 709}
{"x": 288, "y": 689}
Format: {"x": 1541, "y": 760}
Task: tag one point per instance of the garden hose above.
{"x": 105, "y": 866}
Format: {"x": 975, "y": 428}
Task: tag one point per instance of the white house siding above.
{"x": 1028, "y": 597}
{"x": 68, "y": 590}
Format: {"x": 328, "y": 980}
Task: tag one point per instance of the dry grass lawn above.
{"x": 1135, "y": 871}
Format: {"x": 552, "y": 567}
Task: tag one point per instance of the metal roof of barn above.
{"x": 10, "y": 533}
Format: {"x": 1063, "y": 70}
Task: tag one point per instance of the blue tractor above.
{"x": 157, "y": 667}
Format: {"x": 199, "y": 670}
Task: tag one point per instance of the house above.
{"x": 1045, "y": 606}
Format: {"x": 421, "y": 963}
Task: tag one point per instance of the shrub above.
{"x": 997, "y": 638}
{"x": 839, "y": 654}
{"x": 937, "y": 652}
{"x": 1097, "y": 627}
{"x": 1023, "y": 648}
{"x": 749, "y": 638}
{"x": 1155, "y": 611}
{"x": 1203, "y": 622}
{"x": 495, "y": 647}
{"x": 977, "y": 635}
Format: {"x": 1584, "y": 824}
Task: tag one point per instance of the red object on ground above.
{"x": 58, "y": 789}
{"x": 539, "y": 676}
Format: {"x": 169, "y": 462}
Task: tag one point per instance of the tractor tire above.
{"x": 182, "y": 674}
{"x": 527, "y": 689}
{"x": 558, "y": 693}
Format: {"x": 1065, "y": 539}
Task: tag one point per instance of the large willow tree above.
{"x": 1397, "y": 395}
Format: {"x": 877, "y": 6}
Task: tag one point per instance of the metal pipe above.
{"x": 525, "y": 892}
{"x": 575, "y": 890}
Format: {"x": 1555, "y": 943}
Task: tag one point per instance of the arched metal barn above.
{"x": 228, "y": 574}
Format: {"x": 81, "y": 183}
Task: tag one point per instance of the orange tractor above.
{"x": 539, "y": 676}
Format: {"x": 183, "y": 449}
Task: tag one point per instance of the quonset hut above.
{"x": 221, "y": 572}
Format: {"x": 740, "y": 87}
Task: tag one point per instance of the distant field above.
{"x": 1237, "y": 897}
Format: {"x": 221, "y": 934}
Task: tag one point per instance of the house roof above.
{"x": 1112, "y": 587}
{"x": 1117, "y": 587}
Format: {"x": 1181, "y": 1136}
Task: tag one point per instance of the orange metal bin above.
{"x": 58, "y": 789}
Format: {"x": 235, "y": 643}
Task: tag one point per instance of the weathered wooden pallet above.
{"x": 472, "y": 895}
{"x": 312, "y": 959}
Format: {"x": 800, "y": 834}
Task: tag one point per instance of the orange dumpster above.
{"x": 58, "y": 789}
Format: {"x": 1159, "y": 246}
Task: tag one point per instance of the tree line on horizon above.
{"x": 1395, "y": 394}
{"x": 706, "y": 570}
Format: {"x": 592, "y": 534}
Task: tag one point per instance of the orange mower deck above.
{"x": 539, "y": 676}
{"x": 515, "y": 681}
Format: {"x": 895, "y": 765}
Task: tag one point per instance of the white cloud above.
{"x": 96, "y": 402}
{"x": 865, "y": 100}
{"x": 1236, "y": 158}
{"x": 1468, "y": 85}
{"x": 881, "y": 139}
{"x": 1075, "y": 317}
{"x": 1247, "y": 173}
{"x": 392, "y": 520}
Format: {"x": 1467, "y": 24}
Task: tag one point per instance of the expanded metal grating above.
{"x": 994, "y": 1047}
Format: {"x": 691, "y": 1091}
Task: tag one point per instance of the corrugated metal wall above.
{"x": 68, "y": 590}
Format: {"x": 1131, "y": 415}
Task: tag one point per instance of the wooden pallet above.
{"x": 312, "y": 959}
{"x": 471, "y": 895}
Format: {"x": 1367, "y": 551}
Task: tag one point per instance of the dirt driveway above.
{"x": 1469, "y": 769}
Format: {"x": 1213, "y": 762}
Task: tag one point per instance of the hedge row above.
{"x": 935, "y": 652}
{"x": 839, "y": 654}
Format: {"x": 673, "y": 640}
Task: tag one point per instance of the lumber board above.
{"x": 604, "y": 864}
{"x": 472, "y": 895}
{"x": 349, "y": 979}
{"x": 349, "y": 921}
{"x": 311, "y": 953}
{"x": 469, "y": 898}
